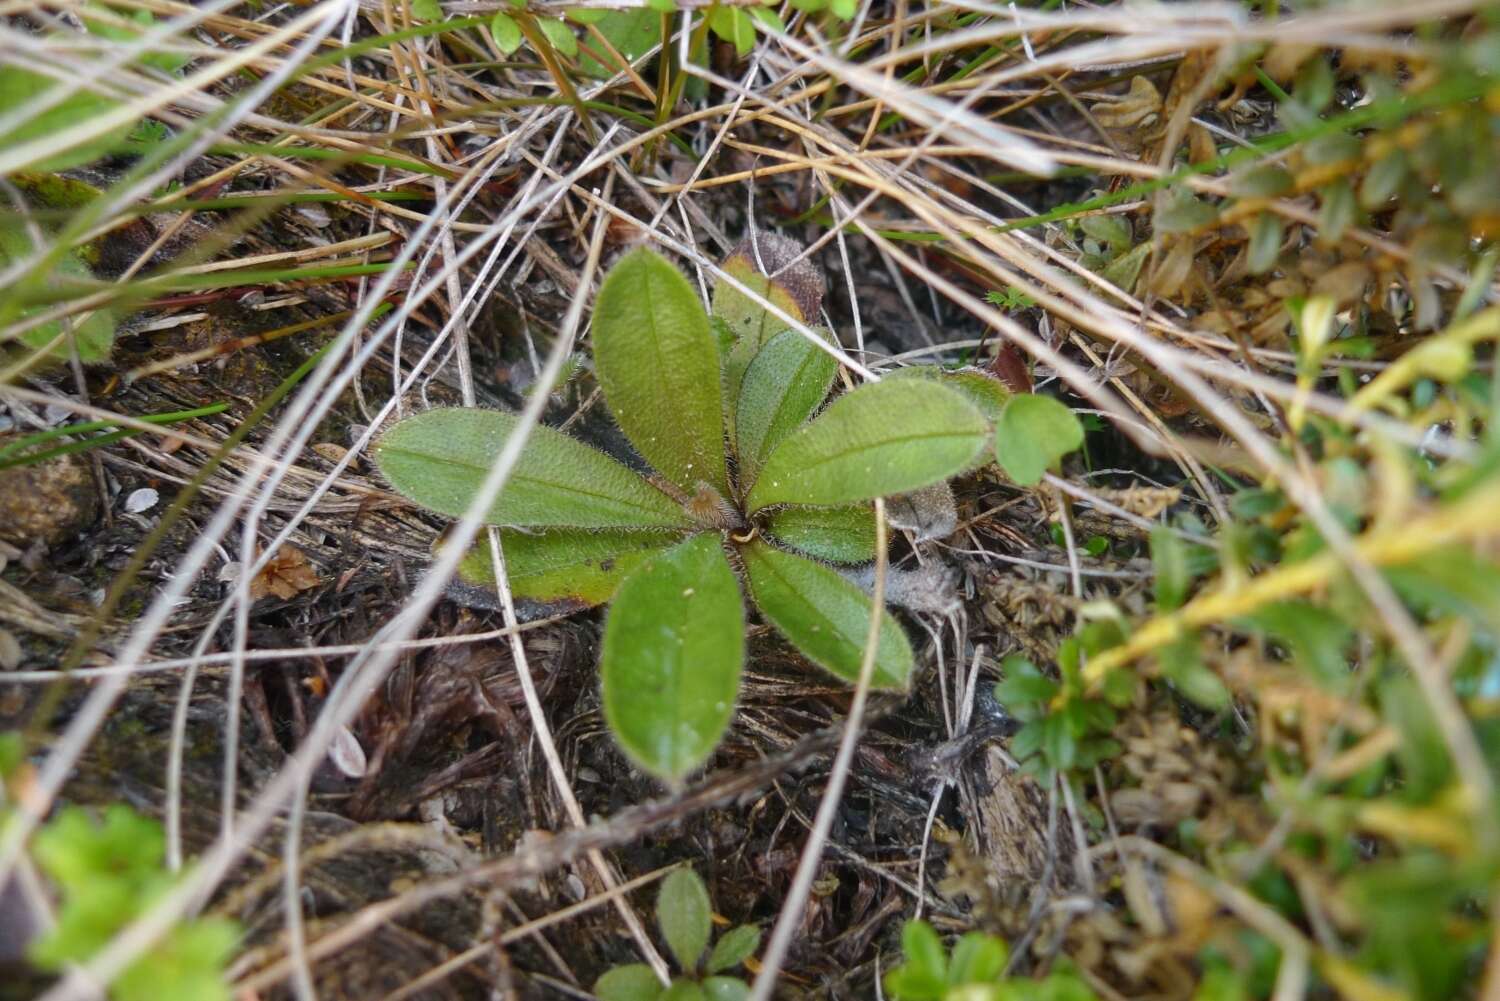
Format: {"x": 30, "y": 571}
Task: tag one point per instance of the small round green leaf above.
{"x": 557, "y": 32}
{"x": 726, "y": 989}
{"x": 635, "y": 982}
{"x": 683, "y": 990}
{"x": 506, "y": 32}
{"x": 440, "y": 458}
{"x": 834, "y": 534}
{"x": 685, "y": 916}
{"x": 887, "y": 438}
{"x": 674, "y": 644}
{"x": 1034, "y": 433}
{"x": 733, "y": 948}
{"x": 427, "y": 10}
{"x": 733, "y": 25}
{"x": 824, "y": 615}
{"x": 659, "y": 368}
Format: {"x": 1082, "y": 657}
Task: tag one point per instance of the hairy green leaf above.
{"x": 659, "y": 369}
{"x": 882, "y": 439}
{"x": 635, "y": 982}
{"x": 733, "y": 948}
{"x": 576, "y": 566}
{"x": 783, "y": 386}
{"x": 440, "y": 458}
{"x": 685, "y": 916}
{"x": 1034, "y": 433}
{"x": 93, "y": 335}
{"x": 674, "y": 643}
{"x": 824, "y": 615}
{"x": 988, "y": 394}
{"x": 835, "y": 534}
{"x": 793, "y": 286}
{"x": 21, "y": 87}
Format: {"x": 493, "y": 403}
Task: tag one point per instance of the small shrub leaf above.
{"x": 824, "y": 616}
{"x": 1034, "y": 433}
{"x": 635, "y": 982}
{"x": 733, "y": 948}
{"x": 783, "y": 386}
{"x": 440, "y": 458}
{"x": 834, "y": 534}
{"x": 924, "y": 974}
{"x": 674, "y": 643}
{"x": 659, "y": 369}
{"x": 685, "y": 915}
{"x": 578, "y": 567}
{"x": 683, "y": 990}
{"x": 882, "y": 439}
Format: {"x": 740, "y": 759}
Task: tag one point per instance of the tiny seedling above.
{"x": 109, "y": 873}
{"x": 975, "y": 971}
{"x": 685, "y": 916}
{"x": 755, "y": 483}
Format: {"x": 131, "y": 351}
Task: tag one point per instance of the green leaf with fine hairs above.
{"x": 783, "y": 386}
{"x": 1034, "y": 433}
{"x": 685, "y": 916}
{"x": 93, "y": 336}
{"x": 988, "y": 394}
{"x": 733, "y": 948}
{"x": 22, "y": 87}
{"x": 674, "y": 643}
{"x": 824, "y": 615}
{"x": 768, "y": 264}
{"x": 835, "y": 534}
{"x": 659, "y": 369}
{"x": 575, "y": 566}
{"x": 635, "y": 982}
{"x": 440, "y": 458}
{"x": 882, "y": 439}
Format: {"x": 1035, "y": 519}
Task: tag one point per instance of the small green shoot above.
{"x": 685, "y": 917}
{"x": 109, "y": 872}
{"x": 975, "y": 971}
{"x": 755, "y": 490}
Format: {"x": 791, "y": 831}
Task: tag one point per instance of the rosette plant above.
{"x": 757, "y": 491}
